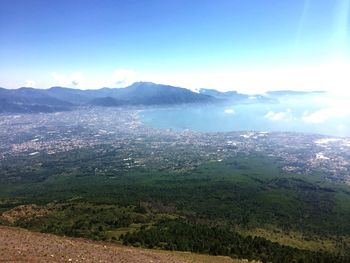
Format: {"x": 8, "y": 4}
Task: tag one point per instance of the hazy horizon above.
{"x": 194, "y": 90}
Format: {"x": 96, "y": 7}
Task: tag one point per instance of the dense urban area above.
{"x": 137, "y": 144}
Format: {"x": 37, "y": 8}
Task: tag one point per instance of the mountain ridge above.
{"x": 31, "y": 100}
{"x": 26, "y": 99}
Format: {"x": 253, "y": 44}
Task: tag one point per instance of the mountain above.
{"x": 139, "y": 93}
{"x": 147, "y": 93}
{"x": 60, "y": 98}
{"x": 31, "y": 96}
{"x": 235, "y": 96}
{"x": 74, "y": 96}
{"x": 107, "y": 102}
{"x": 28, "y": 100}
{"x": 224, "y": 95}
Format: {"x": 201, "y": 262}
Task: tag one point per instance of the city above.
{"x": 138, "y": 144}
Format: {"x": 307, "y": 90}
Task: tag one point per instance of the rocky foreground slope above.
{"x": 20, "y": 245}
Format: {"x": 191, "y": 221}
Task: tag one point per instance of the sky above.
{"x": 247, "y": 45}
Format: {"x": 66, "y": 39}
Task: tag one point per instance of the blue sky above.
{"x": 246, "y": 45}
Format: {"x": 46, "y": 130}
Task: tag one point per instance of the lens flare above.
{"x": 306, "y": 7}
{"x": 341, "y": 31}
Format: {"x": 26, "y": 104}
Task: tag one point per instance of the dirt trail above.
{"x": 20, "y": 245}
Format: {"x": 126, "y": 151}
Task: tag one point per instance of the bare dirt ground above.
{"x": 20, "y": 245}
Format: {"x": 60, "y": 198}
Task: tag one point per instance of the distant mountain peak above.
{"x": 144, "y": 84}
{"x": 223, "y": 95}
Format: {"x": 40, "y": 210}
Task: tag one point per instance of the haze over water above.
{"x": 305, "y": 114}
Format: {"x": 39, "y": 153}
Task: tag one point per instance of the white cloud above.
{"x": 95, "y": 80}
{"x": 316, "y": 117}
{"x": 73, "y": 79}
{"x": 124, "y": 77}
{"x": 279, "y": 116}
{"x": 230, "y": 111}
{"x": 323, "y": 115}
{"x": 30, "y": 83}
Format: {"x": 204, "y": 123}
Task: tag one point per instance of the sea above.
{"x": 319, "y": 114}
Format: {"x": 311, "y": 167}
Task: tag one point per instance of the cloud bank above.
{"x": 123, "y": 77}
{"x": 30, "y": 84}
{"x": 279, "y": 116}
{"x": 73, "y": 79}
